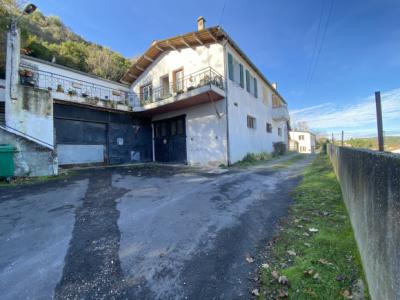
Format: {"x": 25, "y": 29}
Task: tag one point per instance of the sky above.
{"x": 327, "y": 56}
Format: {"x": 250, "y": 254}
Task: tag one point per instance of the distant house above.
{"x": 302, "y": 141}
{"x": 195, "y": 98}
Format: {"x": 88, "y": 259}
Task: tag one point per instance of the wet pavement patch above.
{"x": 92, "y": 267}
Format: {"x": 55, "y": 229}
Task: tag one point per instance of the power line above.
{"x": 322, "y": 40}
{"x": 222, "y": 12}
{"x": 315, "y": 43}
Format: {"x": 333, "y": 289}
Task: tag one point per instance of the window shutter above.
{"x": 230, "y": 66}
{"x": 248, "y": 80}
{"x": 241, "y": 76}
{"x": 255, "y": 87}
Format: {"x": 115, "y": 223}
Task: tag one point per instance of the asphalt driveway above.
{"x": 143, "y": 232}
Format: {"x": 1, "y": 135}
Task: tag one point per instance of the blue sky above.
{"x": 360, "y": 52}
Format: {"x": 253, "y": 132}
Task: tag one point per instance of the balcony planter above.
{"x": 25, "y": 73}
{"x": 72, "y": 92}
{"x": 116, "y": 93}
{"x": 49, "y": 88}
{"x": 191, "y": 88}
{"x": 60, "y": 88}
{"x": 84, "y": 95}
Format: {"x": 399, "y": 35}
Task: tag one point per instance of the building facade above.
{"x": 302, "y": 141}
{"x": 194, "y": 98}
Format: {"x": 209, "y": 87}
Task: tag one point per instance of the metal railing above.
{"x": 204, "y": 77}
{"x": 70, "y": 86}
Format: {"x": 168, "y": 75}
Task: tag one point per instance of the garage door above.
{"x": 170, "y": 140}
{"x": 80, "y": 142}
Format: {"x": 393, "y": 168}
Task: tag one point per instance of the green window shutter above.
{"x": 248, "y": 81}
{"x": 241, "y": 76}
{"x": 255, "y": 87}
{"x": 230, "y": 66}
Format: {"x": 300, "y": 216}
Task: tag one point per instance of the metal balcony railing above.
{"x": 204, "y": 77}
{"x": 280, "y": 113}
{"x": 73, "y": 87}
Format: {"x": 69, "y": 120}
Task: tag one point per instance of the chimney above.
{"x": 201, "y": 23}
{"x": 275, "y": 86}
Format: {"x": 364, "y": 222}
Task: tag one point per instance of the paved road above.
{"x": 145, "y": 232}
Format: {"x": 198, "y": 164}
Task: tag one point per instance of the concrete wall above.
{"x": 30, "y": 159}
{"x": 243, "y": 140}
{"x": 205, "y": 133}
{"x": 308, "y": 142}
{"x": 370, "y": 183}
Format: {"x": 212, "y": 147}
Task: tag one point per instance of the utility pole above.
{"x": 379, "y": 120}
{"x": 342, "y": 138}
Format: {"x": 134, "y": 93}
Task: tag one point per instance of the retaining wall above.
{"x": 370, "y": 183}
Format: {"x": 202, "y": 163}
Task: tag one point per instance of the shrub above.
{"x": 254, "y": 157}
{"x": 279, "y": 149}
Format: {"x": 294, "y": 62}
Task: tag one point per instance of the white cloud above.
{"x": 357, "y": 119}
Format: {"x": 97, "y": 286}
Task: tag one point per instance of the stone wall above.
{"x": 30, "y": 159}
{"x": 370, "y": 183}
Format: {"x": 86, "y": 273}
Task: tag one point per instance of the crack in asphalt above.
{"x": 92, "y": 268}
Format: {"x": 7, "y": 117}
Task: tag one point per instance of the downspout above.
{"x": 228, "y": 151}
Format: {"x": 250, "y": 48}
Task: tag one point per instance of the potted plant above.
{"x": 72, "y": 92}
{"x": 84, "y": 95}
{"x": 60, "y": 88}
{"x": 49, "y": 88}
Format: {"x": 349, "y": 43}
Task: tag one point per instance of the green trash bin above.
{"x": 6, "y": 161}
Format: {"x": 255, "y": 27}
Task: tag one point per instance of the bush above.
{"x": 255, "y": 157}
{"x": 279, "y": 149}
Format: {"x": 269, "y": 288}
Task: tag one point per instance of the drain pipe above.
{"x": 228, "y": 151}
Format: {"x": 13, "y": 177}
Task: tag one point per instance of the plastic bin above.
{"x": 6, "y": 160}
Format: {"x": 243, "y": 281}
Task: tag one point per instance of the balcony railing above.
{"x": 207, "y": 76}
{"x": 73, "y": 87}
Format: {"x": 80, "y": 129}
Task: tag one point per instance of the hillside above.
{"x": 47, "y": 38}
{"x": 391, "y": 143}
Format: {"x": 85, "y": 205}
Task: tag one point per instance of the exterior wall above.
{"x": 30, "y": 159}
{"x": 205, "y": 133}
{"x": 243, "y": 140}
{"x": 308, "y": 142}
{"x": 192, "y": 60}
{"x": 370, "y": 183}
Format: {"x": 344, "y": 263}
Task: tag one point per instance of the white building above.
{"x": 205, "y": 80}
{"x": 302, "y": 141}
{"x": 194, "y": 98}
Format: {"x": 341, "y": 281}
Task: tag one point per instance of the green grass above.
{"x": 330, "y": 252}
{"x": 18, "y": 181}
{"x": 252, "y": 159}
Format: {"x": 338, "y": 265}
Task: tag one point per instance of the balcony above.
{"x": 280, "y": 113}
{"x": 63, "y": 88}
{"x": 197, "y": 88}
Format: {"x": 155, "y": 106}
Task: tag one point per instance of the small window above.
{"x": 301, "y": 137}
{"x": 280, "y": 131}
{"x": 173, "y": 128}
{"x": 157, "y": 130}
{"x": 180, "y": 127}
{"x": 269, "y": 127}
{"x": 251, "y": 122}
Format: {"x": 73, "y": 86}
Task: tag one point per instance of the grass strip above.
{"x": 314, "y": 254}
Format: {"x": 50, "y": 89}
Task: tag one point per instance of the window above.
{"x": 269, "y": 127}
{"x": 146, "y": 92}
{"x": 255, "y": 87}
{"x": 303, "y": 149}
{"x": 251, "y": 122}
{"x": 280, "y": 131}
{"x": 248, "y": 81}
{"x": 178, "y": 80}
{"x": 235, "y": 70}
{"x": 301, "y": 137}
